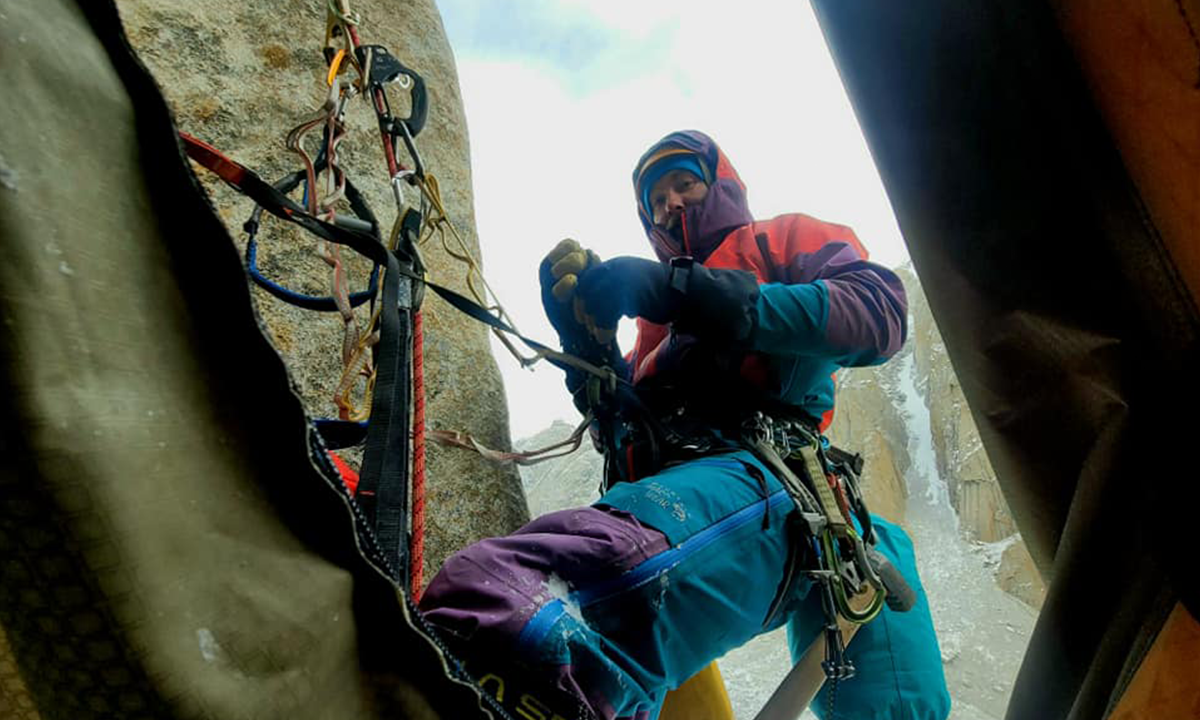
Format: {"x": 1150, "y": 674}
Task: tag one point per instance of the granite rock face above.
{"x": 239, "y": 76}
{"x": 1018, "y": 575}
{"x": 961, "y": 458}
{"x": 868, "y": 421}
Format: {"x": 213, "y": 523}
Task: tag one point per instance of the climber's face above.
{"x": 672, "y": 193}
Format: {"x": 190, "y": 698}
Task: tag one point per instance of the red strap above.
{"x": 348, "y": 475}
{"x": 211, "y": 158}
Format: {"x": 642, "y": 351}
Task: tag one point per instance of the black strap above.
{"x": 386, "y": 457}
{"x": 764, "y": 248}
{"x": 383, "y": 480}
{"x": 385, "y": 460}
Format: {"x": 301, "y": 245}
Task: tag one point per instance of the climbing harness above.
{"x": 832, "y": 536}
{"x": 823, "y": 483}
{"x": 834, "y": 529}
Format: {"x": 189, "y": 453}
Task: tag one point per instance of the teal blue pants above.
{"x": 626, "y": 600}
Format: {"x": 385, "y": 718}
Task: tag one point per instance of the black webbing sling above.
{"x": 383, "y": 481}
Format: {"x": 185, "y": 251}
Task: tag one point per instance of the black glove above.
{"x": 559, "y": 275}
{"x": 712, "y": 304}
{"x": 629, "y": 286}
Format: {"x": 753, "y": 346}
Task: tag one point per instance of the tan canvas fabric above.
{"x": 1165, "y": 685}
{"x": 1141, "y": 62}
{"x": 168, "y": 549}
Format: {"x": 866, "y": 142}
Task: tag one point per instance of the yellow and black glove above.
{"x": 559, "y": 275}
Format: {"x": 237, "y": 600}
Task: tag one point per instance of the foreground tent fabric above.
{"x": 168, "y": 547}
{"x": 1043, "y": 161}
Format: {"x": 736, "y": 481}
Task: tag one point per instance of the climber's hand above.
{"x": 626, "y": 286}
{"x": 559, "y": 276}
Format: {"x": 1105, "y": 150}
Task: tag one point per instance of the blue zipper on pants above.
{"x": 537, "y": 627}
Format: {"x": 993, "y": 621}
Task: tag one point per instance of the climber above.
{"x": 685, "y": 556}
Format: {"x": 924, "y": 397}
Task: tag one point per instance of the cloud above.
{"x": 585, "y": 48}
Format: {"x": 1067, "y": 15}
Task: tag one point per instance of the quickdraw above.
{"x": 823, "y": 484}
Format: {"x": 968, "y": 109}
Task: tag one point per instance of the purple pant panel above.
{"x": 487, "y": 592}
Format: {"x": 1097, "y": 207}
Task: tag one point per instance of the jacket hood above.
{"x": 706, "y": 224}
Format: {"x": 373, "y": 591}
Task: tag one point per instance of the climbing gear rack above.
{"x": 823, "y": 484}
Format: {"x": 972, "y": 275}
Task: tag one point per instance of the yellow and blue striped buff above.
{"x": 663, "y": 162}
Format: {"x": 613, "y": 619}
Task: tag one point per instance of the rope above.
{"x": 439, "y": 222}
{"x": 452, "y": 438}
{"x": 347, "y": 21}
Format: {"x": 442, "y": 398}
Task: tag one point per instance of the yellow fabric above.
{"x": 1165, "y": 685}
{"x": 703, "y": 697}
{"x": 1140, "y": 63}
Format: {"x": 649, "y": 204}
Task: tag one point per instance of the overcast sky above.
{"x": 563, "y": 96}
